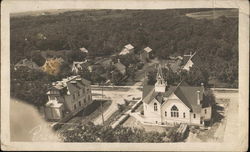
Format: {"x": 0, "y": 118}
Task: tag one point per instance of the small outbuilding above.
{"x": 127, "y": 49}
{"x": 146, "y": 54}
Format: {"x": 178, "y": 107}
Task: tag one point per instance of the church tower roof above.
{"x": 160, "y": 84}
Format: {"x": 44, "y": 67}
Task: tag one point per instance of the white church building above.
{"x": 163, "y": 104}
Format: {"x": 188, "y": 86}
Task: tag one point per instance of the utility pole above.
{"x": 102, "y": 105}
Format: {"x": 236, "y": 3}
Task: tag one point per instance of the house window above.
{"x": 80, "y": 103}
{"x": 194, "y": 115}
{"x": 184, "y": 115}
{"x": 165, "y": 113}
{"x": 78, "y": 93}
{"x": 74, "y": 97}
{"x": 74, "y": 107}
{"x": 205, "y": 111}
{"x": 83, "y": 91}
{"x": 155, "y": 106}
{"x": 174, "y": 111}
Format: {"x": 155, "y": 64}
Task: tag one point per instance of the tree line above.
{"x": 105, "y": 32}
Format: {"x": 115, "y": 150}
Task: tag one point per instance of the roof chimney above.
{"x": 202, "y": 86}
{"x": 198, "y": 98}
{"x": 203, "y": 90}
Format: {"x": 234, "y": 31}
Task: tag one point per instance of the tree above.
{"x": 76, "y": 56}
{"x": 152, "y": 77}
{"x": 38, "y": 59}
{"x": 131, "y": 71}
{"x": 116, "y": 76}
{"x": 195, "y": 76}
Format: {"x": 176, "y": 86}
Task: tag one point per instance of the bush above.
{"x": 140, "y": 65}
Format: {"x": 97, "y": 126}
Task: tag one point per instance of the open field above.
{"x": 132, "y": 122}
{"x": 213, "y": 14}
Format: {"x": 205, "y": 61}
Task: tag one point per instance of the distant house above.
{"x": 174, "y": 65}
{"x": 163, "y": 103}
{"x": 52, "y": 65}
{"x": 187, "y": 61}
{"x": 146, "y": 54}
{"x": 175, "y": 58}
{"x": 68, "y": 96}
{"x": 120, "y": 67}
{"x": 127, "y": 49}
{"x": 26, "y": 63}
{"x": 178, "y": 63}
{"x": 84, "y": 50}
{"x": 78, "y": 66}
{"x": 104, "y": 62}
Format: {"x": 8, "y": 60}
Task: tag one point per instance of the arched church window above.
{"x": 155, "y": 106}
{"x": 174, "y": 111}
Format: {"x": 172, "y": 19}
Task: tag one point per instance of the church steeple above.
{"x": 160, "y": 84}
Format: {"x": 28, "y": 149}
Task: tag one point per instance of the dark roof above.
{"x": 72, "y": 84}
{"x": 185, "y": 59}
{"x": 187, "y": 94}
{"x": 149, "y": 93}
{"x": 79, "y": 84}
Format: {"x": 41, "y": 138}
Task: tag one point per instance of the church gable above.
{"x": 173, "y": 96}
{"x": 174, "y": 99}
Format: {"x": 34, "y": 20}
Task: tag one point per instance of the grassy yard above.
{"x": 213, "y": 14}
{"x": 133, "y": 123}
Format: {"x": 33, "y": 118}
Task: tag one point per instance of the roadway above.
{"x": 117, "y": 95}
{"x": 227, "y": 130}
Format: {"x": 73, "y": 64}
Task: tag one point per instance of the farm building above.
{"x": 146, "y": 54}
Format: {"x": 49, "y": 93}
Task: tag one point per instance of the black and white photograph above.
{"x": 132, "y": 75}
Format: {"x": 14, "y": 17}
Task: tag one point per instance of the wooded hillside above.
{"x": 105, "y": 32}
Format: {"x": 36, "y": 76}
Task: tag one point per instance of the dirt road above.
{"x": 227, "y": 130}
{"x": 231, "y": 128}
{"x": 117, "y": 95}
